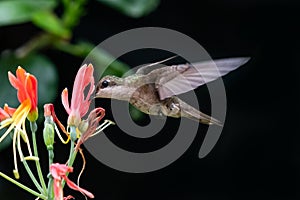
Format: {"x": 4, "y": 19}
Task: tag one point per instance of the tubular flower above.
{"x": 58, "y": 172}
{"x": 91, "y": 127}
{"x": 26, "y": 85}
{"x": 14, "y": 119}
{"x": 49, "y": 112}
{"x": 79, "y": 102}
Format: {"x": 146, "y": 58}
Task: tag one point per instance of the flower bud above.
{"x": 48, "y": 134}
{"x": 83, "y": 126}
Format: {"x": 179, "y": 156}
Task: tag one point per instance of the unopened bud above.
{"x": 83, "y": 126}
{"x": 48, "y": 134}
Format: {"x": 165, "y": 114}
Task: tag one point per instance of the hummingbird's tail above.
{"x": 194, "y": 114}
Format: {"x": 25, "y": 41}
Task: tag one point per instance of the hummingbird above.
{"x": 153, "y": 88}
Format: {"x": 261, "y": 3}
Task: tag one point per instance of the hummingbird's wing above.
{"x": 178, "y": 79}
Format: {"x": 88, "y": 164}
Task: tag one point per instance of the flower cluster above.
{"x": 78, "y": 130}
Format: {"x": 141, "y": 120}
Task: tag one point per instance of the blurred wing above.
{"x": 179, "y": 79}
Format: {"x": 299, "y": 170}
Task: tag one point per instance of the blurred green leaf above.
{"x": 102, "y": 58}
{"x": 38, "y": 65}
{"x": 133, "y": 8}
{"x": 49, "y": 22}
{"x": 20, "y": 11}
{"x": 98, "y": 57}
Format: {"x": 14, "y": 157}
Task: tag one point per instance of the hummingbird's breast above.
{"x": 144, "y": 97}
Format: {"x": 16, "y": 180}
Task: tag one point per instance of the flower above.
{"x": 26, "y": 85}
{"x": 90, "y": 125}
{"x": 49, "y": 113}
{"x": 79, "y": 102}
{"x": 14, "y": 119}
{"x": 58, "y": 172}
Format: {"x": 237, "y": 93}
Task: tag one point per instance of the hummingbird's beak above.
{"x": 93, "y": 97}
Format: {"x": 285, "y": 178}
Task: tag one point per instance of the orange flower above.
{"x": 14, "y": 119}
{"x": 58, "y": 172}
{"x": 3, "y": 115}
{"x": 26, "y": 85}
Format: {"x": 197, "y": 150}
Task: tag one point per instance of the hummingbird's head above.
{"x": 110, "y": 87}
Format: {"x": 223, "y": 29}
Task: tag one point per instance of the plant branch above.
{"x": 23, "y": 186}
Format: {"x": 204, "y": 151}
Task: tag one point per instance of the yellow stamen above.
{"x": 17, "y": 119}
{"x": 6, "y": 132}
{"x": 19, "y": 148}
{"x": 103, "y": 126}
{"x": 23, "y": 132}
{"x": 15, "y": 171}
{"x": 60, "y": 137}
{"x": 31, "y": 158}
{"x": 5, "y": 123}
{"x": 16, "y": 174}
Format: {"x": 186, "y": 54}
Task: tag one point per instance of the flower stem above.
{"x": 36, "y": 183}
{"x": 72, "y": 158}
{"x": 73, "y": 152}
{"x": 50, "y": 182}
{"x": 50, "y": 188}
{"x": 23, "y": 186}
{"x": 33, "y": 127}
{"x": 73, "y": 136}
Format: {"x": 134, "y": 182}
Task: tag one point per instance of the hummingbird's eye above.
{"x": 105, "y": 83}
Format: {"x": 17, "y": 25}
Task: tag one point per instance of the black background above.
{"x": 258, "y": 155}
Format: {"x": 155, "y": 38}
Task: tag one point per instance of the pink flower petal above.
{"x": 65, "y": 100}
{"x": 69, "y": 197}
{"x": 80, "y": 102}
{"x": 78, "y": 88}
{"x": 73, "y": 186}
{"x": 58, "y": 172}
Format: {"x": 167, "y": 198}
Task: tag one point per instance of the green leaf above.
{"x": 98, "y": 57}
{"x": 133, "y": 8}
{"x": 21, "y": 11}
{"x": 49, "y": 22}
